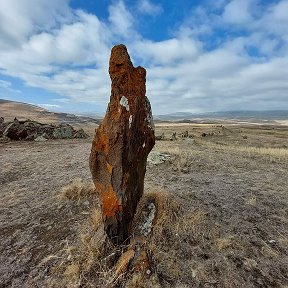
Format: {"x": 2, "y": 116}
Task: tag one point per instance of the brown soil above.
{"x": 230, "y": 228}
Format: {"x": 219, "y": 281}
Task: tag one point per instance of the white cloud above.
{"x": 238, "y": 12}
{"x": 167, "y": 51}
{"x": 7, "y": 86}
{"x": 121, "y": 20}
{"x": 67, "y": 52}
{"x": 275, "y": 19}
{"x": 56, "y": 60}
{"x": 147, "y": 7}
{"x": 21, "y": 19}
{"x": 49, "y": 106}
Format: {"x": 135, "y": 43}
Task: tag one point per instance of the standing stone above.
{"x": 121, "y": 145}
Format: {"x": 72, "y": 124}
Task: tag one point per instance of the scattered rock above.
{"x": 173, "y": 137}
{"x": 123, "y": 262}
{"x": 189, "y": 140}
{"x": 245, "y": 137}
{"x": 121, "y": 145}
{"x": 157, "y": 158}
{"x": 80, "y": 134}
{"x": 40, "y": 139}
{"x": 160, "y": 137}
{"x": 136, "y": 253}
{"x": 185, "y": 134}
{"x": 146, "y": 221}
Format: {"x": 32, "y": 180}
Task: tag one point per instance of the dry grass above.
{"x": 89, "y": 261}
{"x": 277, "y": 153}
{"x": 223, "y": 223}
{"x": 186, "y": 248}
{"x": 77, "y": 190}
{"x": 173, "y": 230}
{"x": 272, "y": 153}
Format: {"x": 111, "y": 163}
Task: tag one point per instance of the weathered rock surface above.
{"x": 121, "y": 145}
{"x": 31, "y": 130}
{"x": 64, "y": 131}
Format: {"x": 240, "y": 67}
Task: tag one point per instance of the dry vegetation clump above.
{"x": 190, "y": 249}
{"x": 77, "y": 189}
{"x": 89, "y": 261}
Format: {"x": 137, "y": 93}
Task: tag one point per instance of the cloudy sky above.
{"x": 209, "y": 55}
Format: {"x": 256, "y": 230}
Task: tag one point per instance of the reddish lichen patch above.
{"x": 115, "y": 111}
{"x": 102, "y": 143}
{"x": 110, "y": 202}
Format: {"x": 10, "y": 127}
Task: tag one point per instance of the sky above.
{"x": 200, "y": 56}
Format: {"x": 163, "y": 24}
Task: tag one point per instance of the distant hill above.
{"x": 231, "y": 115}
{"x": 11, "y": 109}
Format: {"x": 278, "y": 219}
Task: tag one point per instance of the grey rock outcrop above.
{"x": 31, "y": 130}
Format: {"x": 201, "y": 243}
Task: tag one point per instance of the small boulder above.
{"x": 185, "y": 134}
{"x": 63, "y": 131}
{"x": 160, "y": 137}
{"x": 173, "y": 137}
{"x": 15, "y": 131}
{"x": 80, "y": 134}
{"x": 40, "y": 138}
{"x": 156, "y": 158}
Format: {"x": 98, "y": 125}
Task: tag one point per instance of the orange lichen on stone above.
{"x": 102, "y": 143}
{"x": 110, "y": 202}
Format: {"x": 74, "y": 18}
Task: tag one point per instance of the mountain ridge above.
{"x": 10, "y": 109}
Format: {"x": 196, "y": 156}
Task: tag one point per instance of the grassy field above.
{"x": 221, "y": 220}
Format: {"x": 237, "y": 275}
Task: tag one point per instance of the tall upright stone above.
{"x": 121, "y": 145}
